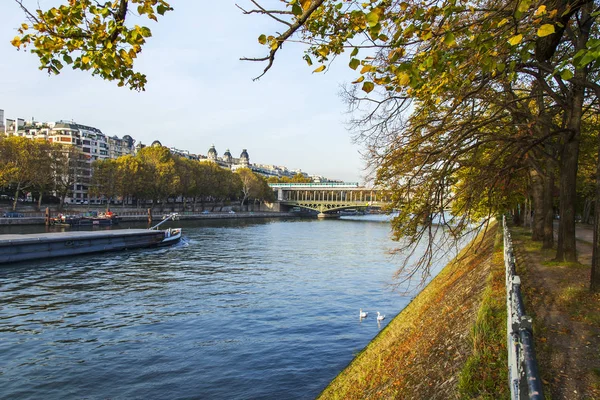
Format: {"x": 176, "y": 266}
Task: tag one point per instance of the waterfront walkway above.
{"x": 566, "y": 316}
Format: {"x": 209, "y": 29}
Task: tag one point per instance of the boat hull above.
{"x": 14, "y": 248}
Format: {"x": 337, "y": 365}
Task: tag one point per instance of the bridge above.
{"x": 329, "y": 198}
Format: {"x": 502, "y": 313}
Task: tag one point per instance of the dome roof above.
{"x": 129, "y": 140}
{"x": 156, "y": 143}
{"x": 212, "y": 150}
{"x": 244, "y": 154}
{"x": 227, "y": 153}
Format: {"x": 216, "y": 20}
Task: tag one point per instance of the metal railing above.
{"x": 523, "y": 373}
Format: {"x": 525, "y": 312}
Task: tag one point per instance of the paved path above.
{"x": 585, "y": 232}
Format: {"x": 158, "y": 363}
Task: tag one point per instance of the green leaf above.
{"x": 161, "y": 9}
{"x": 566, "y": 74}
{"x": 297, "y": 10}
{"x": 308, "y": 60}
{"x": 449, "y": 39}
{"x": 368, "y": 87}
{"x": 354, "y": 63}
{"x": 545, "y": 30}
{"x": 515, "y": 40}
{"x": 524, "y": 5}
{"x": 354, "y": 52}
{"x": 262, "y": 39}
{"x": 372, "y": 18}
{"x": 67, "y": 58}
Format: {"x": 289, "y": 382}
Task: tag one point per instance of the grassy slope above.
{"x": 439, "y": 339}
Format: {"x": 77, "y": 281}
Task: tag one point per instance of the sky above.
{"x": 199, "y": 93}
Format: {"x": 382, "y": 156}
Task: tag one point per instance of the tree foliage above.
{"x": 470, "y": 106}
{"x": 90, "y": 36}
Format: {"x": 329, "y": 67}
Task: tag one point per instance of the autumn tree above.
{"x": 251, "y": 185}
{"x": 129, "y": 178}
{"x": 19, "y": 165}
{"x": 70, "y": 167}
{"x": 105, "y": 176}
{"x": 157, "y": 171}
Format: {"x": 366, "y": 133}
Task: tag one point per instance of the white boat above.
{"x": 172, "y": 236}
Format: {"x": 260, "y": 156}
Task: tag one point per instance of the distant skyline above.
{"x": 198, "y": 92}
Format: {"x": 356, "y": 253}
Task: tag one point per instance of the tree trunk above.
{"x": 516, "y": 215}
{"x": 537, "y": 195}
{"x": 595, "y": 273}
{"x": 549, "y": 206}
{"x": 527, "y": 214}
{"x": 587, "y": 210}
{"x": 14, "y": 207}
{"x": 566, "y": 250}
{"x": 39, "y": 205}
{"x": 62, "y": 201}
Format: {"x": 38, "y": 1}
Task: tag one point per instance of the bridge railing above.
{"x": 316, "y": 185}
{"x": 523, "y": 373}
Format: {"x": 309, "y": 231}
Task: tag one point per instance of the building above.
{"x": 95, "y": 145}
{"x": 89, "y": 140}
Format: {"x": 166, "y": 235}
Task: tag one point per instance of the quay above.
{"x": 39, "y": 219}
{"x": 14, "y": 248}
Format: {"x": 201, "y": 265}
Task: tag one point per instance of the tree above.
{"x": 185, "y": 170}
{"x": 18, "y": 166}
{"x": 44, "y": 177}
{"x": 129, "y": 179}
{"x": 105, "y": 179}
{"x": 251, "y": 184}
{"x": 157, "y": 169}
{"x": 464, "y": 99}
{"x": 70, "y": 167}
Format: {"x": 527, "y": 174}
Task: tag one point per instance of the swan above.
{"x": 380, "y": 317}
{"x": 363, "y": 314}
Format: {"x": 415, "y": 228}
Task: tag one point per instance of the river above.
{"x": 242, "y": 309}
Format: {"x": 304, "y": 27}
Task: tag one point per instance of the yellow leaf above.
{"x": 403, "y": 78}
{"x": 545, "y": 30}
{"x": 359, "y": 80}
{"x": 515, "y": 40}
{"x": 16, "y": 41}
{"x": 540, "y": 11}
{"x": 24, "y": 27}
{"x": 366, "y": 68}
{"x": 320, "y": 69}
{"x": 503, "y": 22}
{"x": 85, "y": 59}
{"x": 305, "y": 4}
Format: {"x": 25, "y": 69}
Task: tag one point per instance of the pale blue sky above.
{"x": 198, "y": 91}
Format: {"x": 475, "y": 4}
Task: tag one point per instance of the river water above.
{"x": 242, "y": 309}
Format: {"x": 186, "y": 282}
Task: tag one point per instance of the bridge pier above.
{"x": 323, "y": 215}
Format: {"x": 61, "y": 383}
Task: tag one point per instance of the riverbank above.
{"x": 449, "y": 342}
{"x": 141, "y": 217}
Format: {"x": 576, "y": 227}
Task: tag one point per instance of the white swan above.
{"x": 380, "y": 317}
{"x": 363, "y": 314}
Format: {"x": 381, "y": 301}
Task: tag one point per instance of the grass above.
{"x": 484, "y": 375}
{"x": 581, "y": 304}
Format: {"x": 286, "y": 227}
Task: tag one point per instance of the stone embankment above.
{"x": 39, "y": 219}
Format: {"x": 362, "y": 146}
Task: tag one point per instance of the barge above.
{"x": 14, "y": 248}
